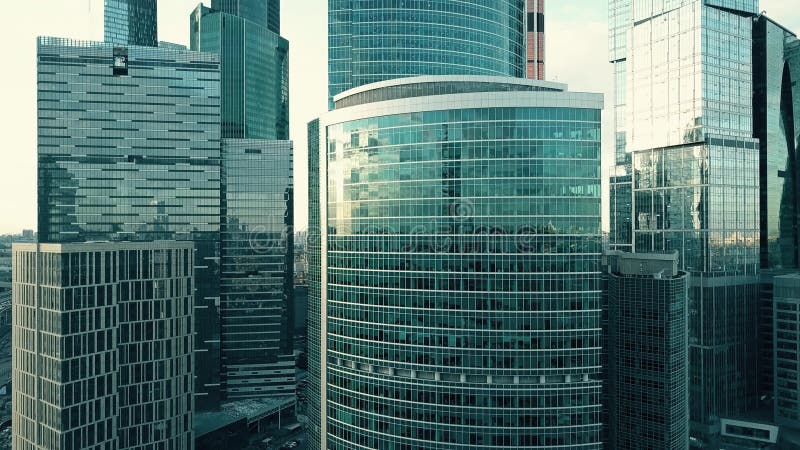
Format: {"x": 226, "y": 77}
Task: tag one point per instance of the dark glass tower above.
{"x": 255, "y": 65}
{"x": 776, "y": 123}
{"x": 131, "y": 22}
{"x": 648, "y": 360}
{"x": 257, "y": 213}
{"x": 256, "y": 308}
{"x": 460, "y": 278}
{"x": 113, "y": 169}
{"x": 377, "y": 40}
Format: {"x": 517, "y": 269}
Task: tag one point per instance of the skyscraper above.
{"x": 534, "y": 40}
{"x": 102, "y": 346}
{"x": 688, "y": 134}
{"x": 254, "y": 62}
{"x": 257, "y": 191}
{"x": 776, "y": 121}
{"x": 648, "y": 354}
{"x": 114, "y": 169}
{"x": 460, "y": 265}
{"x": 131, "y": 22}
{"x": 787, "y": 350}
{"x": 377, "y": 41}
{"x": 315, "y": 414}
{"x": 257, "y": 269}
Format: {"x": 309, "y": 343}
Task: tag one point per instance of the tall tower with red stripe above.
{"x": 535, "y": 40}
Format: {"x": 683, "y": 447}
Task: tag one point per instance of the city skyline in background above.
{"x": 584, "y": 67}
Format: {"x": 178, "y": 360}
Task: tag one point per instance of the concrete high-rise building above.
{"x": 114, "y": 169}
{"x": 459, "y": 265}
{"x": 534, "y": 40}
{"x": 376, "y": 41}
{"x": 647, "y": 339}
{"x": 257, "y": 314}
{"x": 257, "y": 190}
{"x": 254, "y": 62}
{"x": 103, "y": 346}
{"x": 131, "y": 22}
{"x": 685, "y": 116}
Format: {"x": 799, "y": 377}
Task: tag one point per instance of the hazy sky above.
{"x": 576, "y": 54}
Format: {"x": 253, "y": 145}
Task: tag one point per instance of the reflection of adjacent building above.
{"x": 687, "y": 144}
{"x": 257, "y": 304}
{"x": 460, "y": 256}
{"x": 257, "y": 192}
{"x": 776, "y": 121}
{"x": 102, "y": 345}
{"x": 112, "y": 169}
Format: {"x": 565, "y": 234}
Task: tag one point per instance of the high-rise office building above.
{"x": 687, "y": 112}
{"x": 254, "y": 62}
{"x": 534, "y": 40}
{"x": 102, "y": 346}
{"x": 257, "y": 269}
{"x": 257, "y": 212}
{"x": 460, "y": 293}
{"x": 131, "y": 22}
{"x": 129, "y": 150}
{"x": 776, "y": 122}
{"x": 787, "y": 350}
{"x": 314, "y": 394}
{"x": 620, "y": 200}
{"x": 376, "y": 41}
{"x": 648, "y": 355}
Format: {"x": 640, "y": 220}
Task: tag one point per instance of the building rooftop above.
{"x": 74, "y": 247}
{"x": 252, "y": 410}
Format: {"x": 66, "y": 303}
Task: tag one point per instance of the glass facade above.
{"x": 255, "y": 68}
{"x": 371, "y": 41}
{"x": 263, "y": 12}
{"x": 131, "y": 22}
{"x": 649, "y": 373}
{"x": 621, "y": 224}
{"x": 257, "y": 269}
{"x": 129, "y": 150}
{"x": 776, "y": 121}
{"x": 684, "y": 122}
{"x": 460, "y": 268}
{"x": 314, "y": 409}
{"x": 102, "y": 346}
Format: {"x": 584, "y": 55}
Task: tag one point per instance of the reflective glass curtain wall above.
{"x": 256, "y": 307}
{"x": 255, "y": 67}
{"x": 621, "y": 227}
{"x": 370, "y": 41}
{"x": 689, "y": 136}
{"x": 111, "y": 169}
{"x": 460, "y": 268}
{"x": 131, "y": 22}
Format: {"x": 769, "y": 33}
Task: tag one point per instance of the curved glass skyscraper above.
{"x": 371, "y": 41}
{"x": 460, "y": 266}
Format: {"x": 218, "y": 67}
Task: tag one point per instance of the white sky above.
{"x": 576, "y": 54}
